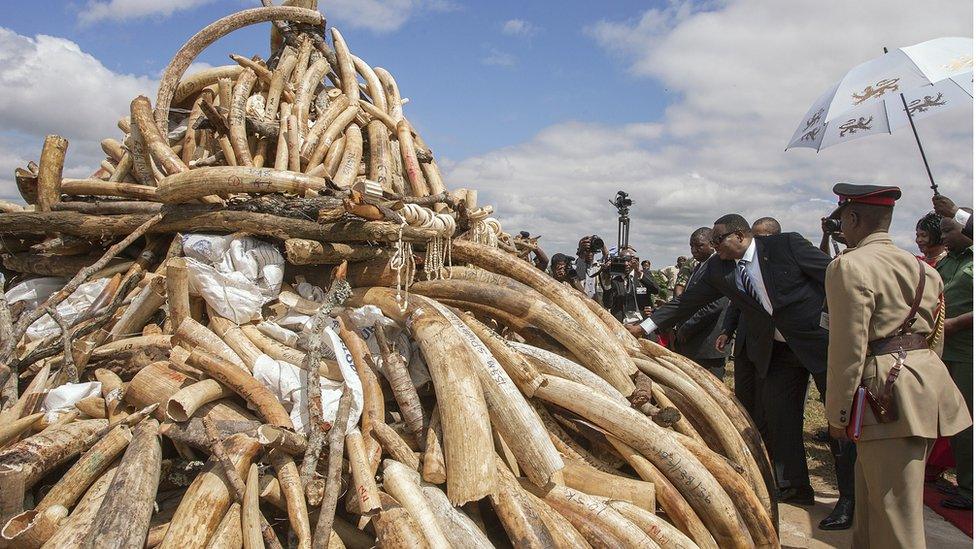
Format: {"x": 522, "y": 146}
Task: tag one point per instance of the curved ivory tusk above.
{"x": 200, "y": 182}
{"x": 210, "y": 34}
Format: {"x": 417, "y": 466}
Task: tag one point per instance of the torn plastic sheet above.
{"x": 290, "y": 385}
{"x": 235, "y": 275}
{"x": 70, "y": 309}
{"x": 64, "y": 397}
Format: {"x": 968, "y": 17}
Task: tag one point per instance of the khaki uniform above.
{"x": 870, "y": 289}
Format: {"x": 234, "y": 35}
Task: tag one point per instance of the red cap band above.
{"x": 874, "y": 200}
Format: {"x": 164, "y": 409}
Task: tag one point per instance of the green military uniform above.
{"x": 661, "y": 280}
{"x": 870, "y": 289}
{"x": 956, "y": 270}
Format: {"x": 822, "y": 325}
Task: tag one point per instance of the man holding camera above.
{"x": 588, "y": 267}
{"x": 630, "y": 290}
{"x": 777, "y": 283}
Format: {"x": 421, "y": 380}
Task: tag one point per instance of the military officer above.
{"x": 871, "y": 288}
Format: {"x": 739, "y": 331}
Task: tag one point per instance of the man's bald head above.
{"x": 765, "y": 226}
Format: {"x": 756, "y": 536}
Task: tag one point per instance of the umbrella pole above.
{"x": 935, "y": 188}
{"x": 911, "y": 121}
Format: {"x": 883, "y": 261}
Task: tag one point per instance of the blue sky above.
{"x": 547, "y": 108}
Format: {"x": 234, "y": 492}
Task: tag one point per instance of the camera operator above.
{"x": 588, "y": 267}
{"x": 561, "y": 268}
{"x": 630, "y": 293}
{"x": 831, "y": 230}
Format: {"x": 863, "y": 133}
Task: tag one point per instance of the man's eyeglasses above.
{"x": 716, "y": 240}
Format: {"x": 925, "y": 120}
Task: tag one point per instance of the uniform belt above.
{"x": 895, "y": 344}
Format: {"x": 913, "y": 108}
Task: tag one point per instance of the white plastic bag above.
{"x": 70, "y": 309}
{"x": 235, "y": 275}
{"x": 62, "y": 398}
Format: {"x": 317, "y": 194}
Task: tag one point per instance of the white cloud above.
{"x": 122, "y": 10}
{"x": 519, "y": 27}
{"x": 48, "y": 85}
{"x": 498, "y": 58}
{"x": 380, "y": 15}
{"x": 746, "y": 71}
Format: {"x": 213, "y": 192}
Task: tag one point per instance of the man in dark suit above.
{"x": 777, "y": 283}
{"x": 629, "y": 294}
{"x": 746, "y": 381}
{"x": 695, "y": 337}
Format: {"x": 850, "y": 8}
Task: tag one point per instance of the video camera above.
{"x": 618, "y": 265}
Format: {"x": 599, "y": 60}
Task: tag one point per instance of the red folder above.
{"x": 857, "y": 413}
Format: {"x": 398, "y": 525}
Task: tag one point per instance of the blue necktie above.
{"x": 746, "y": 282}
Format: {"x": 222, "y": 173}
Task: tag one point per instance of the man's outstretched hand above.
{"x": 944, "y": 206}
{"x": 635, "y": 330}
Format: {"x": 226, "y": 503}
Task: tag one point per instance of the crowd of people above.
{"x": 885, "y": 335}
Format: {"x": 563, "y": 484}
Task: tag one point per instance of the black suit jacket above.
{"x": 793, "y": 272}
{"x": 623, "y": 296}
{"x": 697, "y": 334}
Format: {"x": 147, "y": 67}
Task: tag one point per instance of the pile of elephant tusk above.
{"x": 405, "y": 379}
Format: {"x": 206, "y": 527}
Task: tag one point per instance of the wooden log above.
{"x": 123, "y": 518}
{"x": 696, "y": 484}
{"x": 208, "y": 497}
{"x": 199, "y": 218}
{"x": 49, "y": 172}
{"x": 89, "y": 467}
{"x": 401, "y": 385}
{"x": 109, "y": 207}
{"x": 39, "y": 454}
{"x": 49, "y": 265}
{"x": 244, "y": 385}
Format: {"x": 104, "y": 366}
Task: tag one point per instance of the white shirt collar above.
{"x": 750, "y": 252}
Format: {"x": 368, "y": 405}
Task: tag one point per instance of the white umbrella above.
{"x": 890, "y": 92}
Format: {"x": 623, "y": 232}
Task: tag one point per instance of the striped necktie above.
{"x": 746, "y": 281}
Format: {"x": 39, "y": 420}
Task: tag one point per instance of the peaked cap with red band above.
{"x": 877, "y": 195}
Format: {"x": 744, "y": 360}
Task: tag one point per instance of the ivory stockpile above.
{"x": 265, "y": 321}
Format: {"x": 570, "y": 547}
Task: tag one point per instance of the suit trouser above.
{"x": 714, "y": 365}
{"x": 889, "y": 478}
{"x": 784, "y": 399}
{"x": 962, "y": 443}
{"x": 748, "y": 391}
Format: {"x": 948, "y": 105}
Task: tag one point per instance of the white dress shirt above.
{"x": 755, "y": 276}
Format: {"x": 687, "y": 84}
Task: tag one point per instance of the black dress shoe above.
{"x": 797, "y": 495}
{"x": 841, "y": 518}
{"x": 822, "y": 436}
{"x": 959, "y": 502}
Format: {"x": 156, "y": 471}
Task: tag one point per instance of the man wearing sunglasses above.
{"x": 777, "y": 283}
